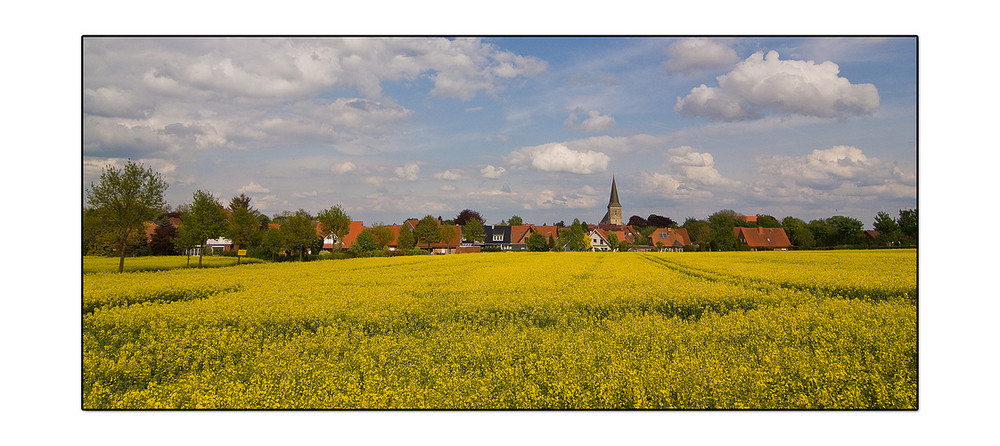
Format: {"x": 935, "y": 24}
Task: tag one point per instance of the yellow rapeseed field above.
{"x": 510, "y": 331}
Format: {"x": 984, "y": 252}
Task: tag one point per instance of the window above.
{"x": 497, "y": 237}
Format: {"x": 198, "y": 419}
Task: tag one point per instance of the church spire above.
{"x": 614, "y": 215}
{"x": 614, "y": 194}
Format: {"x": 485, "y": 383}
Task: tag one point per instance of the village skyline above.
{"x": 395, "y": 128}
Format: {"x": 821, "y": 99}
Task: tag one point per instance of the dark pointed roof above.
{"x": 614, "y": 194}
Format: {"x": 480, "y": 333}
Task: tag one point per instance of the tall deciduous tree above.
{"x": 473, "y": 231}
{"x": 847, "y": 230}
{"x": 699, "y": 231}
{"x": 468, "y": 214}
{"x": 767, "y": 221}
{"x": 242, "y": 226}
{"x": 124, "y": 199}
{"x": 298, "y": 232}
{"x": 515, "y": 220}
{"x": 428, "y": 231}
{"x": 908, "y": 222}
{"x": 576, "y": 238}
{"x": 537, "y": 243}
{"x": 382, "y": 234}
{"x": 888, "y": 229}
{"x": 798, "y": 233}
{"x": 206, "y": 220}
{"x": 335, "y": 222}
{"x": 365, "y": 243}
{"x": 186, "y": 237}
{"x": 660, "y": 221}
{"x": 613, "y": 241}
{"x": 161, "y": 243}
{"x": 405, "y": 241}
{"x": 721, "y": 226}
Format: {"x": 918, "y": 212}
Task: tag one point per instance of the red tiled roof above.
{"x": 773, "y": 238}
{"x": 520, "y": 233}
{"x": 547, "y": 231}
{"x": 748, "y": 218}
{"x": 354, "y": 230}
{"x": 670, "y": 237}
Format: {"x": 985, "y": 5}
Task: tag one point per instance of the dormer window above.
{"x": 497, "y": 237}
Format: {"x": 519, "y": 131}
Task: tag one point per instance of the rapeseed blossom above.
{"x": 510, "y": 331}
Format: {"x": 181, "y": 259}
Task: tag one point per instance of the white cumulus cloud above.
{"x": 253, "y": 188}
{"x": 596, "y": 122}
{"x": 492, "y": 172}
{"x": 762, "y": 84}
{"x": 696, "y": 166}
{"x": 448, "y": 175}
{"x": 408, "y": 172}
{"x": 688, "y": 56}
{"x": 556, "y": 157}
{"x": 345, "y": 167}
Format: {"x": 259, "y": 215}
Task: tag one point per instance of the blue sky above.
{"x": 391, "y": 128}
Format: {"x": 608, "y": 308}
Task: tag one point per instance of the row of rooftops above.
{"x": 755, "y": 238}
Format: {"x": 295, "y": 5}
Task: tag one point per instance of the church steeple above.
{"x": 614, "y": 215}
{"x": 614, "y": 194}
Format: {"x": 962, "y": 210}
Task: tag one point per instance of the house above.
{"x": 217, "y": 245}
{"x": 330, "y": 241}
{"x": 669, "y": 239}
{"x": 747, "y": 218}
{"x": 763, "y": 239}
{"x": 600, "y": 236}
{"x": 502, "y": 237}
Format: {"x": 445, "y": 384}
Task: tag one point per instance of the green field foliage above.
{"x": 97, "y": 264}
{"x": 740, "y": 330}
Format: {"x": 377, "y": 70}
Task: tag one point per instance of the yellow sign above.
{"x": 241, "y": 252}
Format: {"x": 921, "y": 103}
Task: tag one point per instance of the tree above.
{"x": 821, "y": 232}
{"x": 162, "y": 241}
{"x": 298, "y": 232}
{"x": 271, "y": 243}
{"x": 515, "y": 220}
{"x": 124, "y": 199}
{"x": 265, "y": 222}
{"x": 536, "y": 243}
{"x": 888, "y": 230}
{"x": 382, "y": 235}
{"x": 365, "y": 243}
{"x": 427, "y": 231}
{"x": 206, "y": 220}
{"x": 242, "y": 226}
{"x": 186, "y": 238}
{"x": 473, "y": 231}
{"x": 576, "y": 238}
{"x": 699, "y": 231}
{"x": 637, "y": 221}
{"x": 798, "y": 233}
{"x": 468, "y": 214}
{"x": 613, "y": 241}
{"x": 335, "y": 222}
{"x": 767, "y": 221}
{"x": 908, "y": 222}
{"x": 846, "y": 230}
{"x": 721, "y": 226}
{"x": 406, "y": 241}
{"x": 660, "y": 222}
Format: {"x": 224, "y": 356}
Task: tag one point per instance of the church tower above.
{"x": 614, "y": 215}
